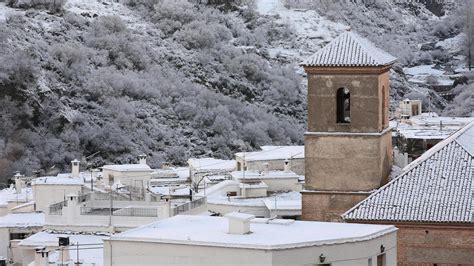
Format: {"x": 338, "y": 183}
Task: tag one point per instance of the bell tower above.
{"x": 348, "y": 146}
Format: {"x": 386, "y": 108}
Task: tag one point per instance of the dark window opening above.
{"x": 343, "y": 105}
{"x": 381, "y": 260}
{"x": 16, "y": 236}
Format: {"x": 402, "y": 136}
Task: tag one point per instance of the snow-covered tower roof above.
{"x": 350, "y": 50}
{"x": 435, "y": 188}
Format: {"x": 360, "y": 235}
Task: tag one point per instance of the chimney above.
{"x": 287, "y": 166}
{"x": 239, "y": 223}
{"x": 142, "y": 159}
{"x": 266, "y": 168}
{"x": 18, "y": 181}
{"x": 75, "y": 168}
{"x": 41, "y": 256}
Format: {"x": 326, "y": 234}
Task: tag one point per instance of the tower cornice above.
{"x": 347, "y": 70}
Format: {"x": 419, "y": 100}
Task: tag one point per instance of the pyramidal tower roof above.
{"x": 350, "y": 50}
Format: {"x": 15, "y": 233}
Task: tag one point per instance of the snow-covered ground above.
{"x": 452, "y": 45}
{"x": 6, "y": 11}
{"x": 313, "y": 31}
{"x": 422, "y": 73}
{"x": 94, "y": 8}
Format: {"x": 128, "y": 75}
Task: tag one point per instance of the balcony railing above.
{"x": 134, "y": 212}
{"x": 188, "y": 206}
{"x": 57, "y": 208}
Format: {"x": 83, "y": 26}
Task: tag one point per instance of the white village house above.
{"x": 241, "y": 239}
{"x": 275, "y": 157}
{"x": 415, "y": 132}
{"x": 133, "y": 175}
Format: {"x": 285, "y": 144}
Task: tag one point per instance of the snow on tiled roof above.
{"x": 437, "y": 187}
{"x": 350, "y": 49}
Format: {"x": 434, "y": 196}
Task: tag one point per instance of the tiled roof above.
{"x": 435, "y": 188}
{"x": 349, "y": 49}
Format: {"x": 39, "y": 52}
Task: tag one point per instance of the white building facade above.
{"x": 240, "y": 240}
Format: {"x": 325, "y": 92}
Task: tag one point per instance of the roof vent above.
{"x": 239, "y": 223}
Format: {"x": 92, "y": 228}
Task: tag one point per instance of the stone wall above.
{"x": 328, "y": 206}
{"x": 347, "y": 162}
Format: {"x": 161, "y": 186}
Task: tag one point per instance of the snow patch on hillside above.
{"x": 312, "y": 30}
{"x": 6, "y": 11}
{"x": 452, "y": 45}
{"x": 267, "y": 6}
{"x": 94, "y": 8}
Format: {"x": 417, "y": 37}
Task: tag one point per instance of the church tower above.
{"x": 348, "y": 145}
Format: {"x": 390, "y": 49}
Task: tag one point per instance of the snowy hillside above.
{"x": 176, "y": 79}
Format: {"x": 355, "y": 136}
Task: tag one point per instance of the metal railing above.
{"x": 115, "y": 196}
{"x": 134, "y": 212}
{"x": 188, "y": 206}
{"x": 137, "y": 212}
{"x": 57, "y": 208}
{"x": 96, "y": 211}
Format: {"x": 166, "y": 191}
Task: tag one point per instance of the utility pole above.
{"x": 77, "y": 253}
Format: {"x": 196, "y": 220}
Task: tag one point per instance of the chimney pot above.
{"x": 287, "y": 166}
{"x": 75, "y": 168}
{"x": 142, "y": 159}
{"x": 18, "y": 182}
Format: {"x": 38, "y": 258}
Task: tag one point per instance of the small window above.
{"x": 343, "y": 105}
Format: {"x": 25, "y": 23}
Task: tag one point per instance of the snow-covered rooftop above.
{"x": 287, "y": 198}
{"x": 240, "y": 216}
{"x": 269, "y": 153}
{"x": 212, "y": 164}
{"x": 91, "y": 253}
{"x": 293, "y": 205}
{"x": 436, "y": 188}
{"x": 178, "y": 173}
{"x": 167, "y": 190}
{"x": 350, "y": 49}
{"x": 263, "y": 175}
{"x": 212, "y": 231}
{"x": 22, "y": 220}
{"x": 429, "y": 126}
{"x": 9, "y": 194}
{"x": 58, "y": 180}
{"x": 128, "y": 167}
